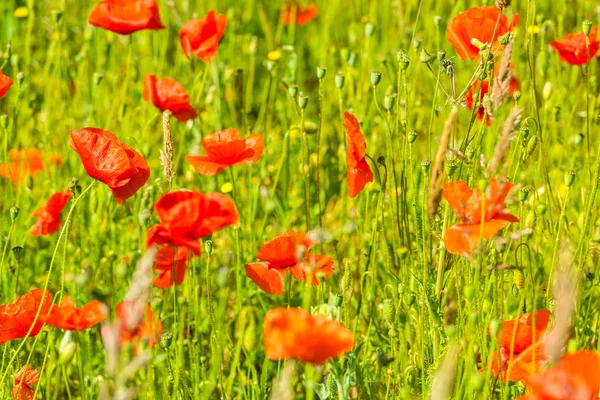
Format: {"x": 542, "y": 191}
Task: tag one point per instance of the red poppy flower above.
{"x": 49, "y": 214}
{"x": 5, "y": 84}
{"x": 303, "y": 15}
{"x": 24, "y": 380}
{"x": 126, "y": 16}
{"x": 571, "y": 49}
{"x": 201, "y": 36}
{"x": 137, "y": 323}
{"x": 287, "y": 252}
{"x": 359, "y": 173}
{"x": 294, "y": 333}
{"x": 168, "y": 94}
{"x": 460, "y": 239}
{"x": 18, "y": 317}
{"x": 575, "y": 376}
{"x": 68, "y": 317}
{"x": 187, "y": 216}
{"x": 26, "y": 162}
{"x": 110, "y": 161}
{"x": 477, "y": 23}
{"x": 469, "y": 98}
{"x": 225, "y": 149}
{"x": 167, "y": 259}
{"x": 527, "y": 357}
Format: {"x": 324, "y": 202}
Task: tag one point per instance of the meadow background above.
{"x": 408, "y": 302}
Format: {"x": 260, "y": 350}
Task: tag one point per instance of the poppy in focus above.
{"x": 110, "y": 161}
{"x": 126, "y": 16}
{"x": 68, "y": 317}
{"x": 137, "y": 323}
{"x": 24, "y": 380}
{"x": 461, "y": 239}
{"x": 571, "y": 49}
{"x": 470, "y": 97}
{"x": 525, "y": 336}
{"x": 168, "y": 94}
{"x": 295, "y": 333}
{"x": 359, "y": 173}
{"x": 18, "y": 317}
{"x": 187, "y": 216}
{"x": 288, "y": 252}
{"x": 49, "y": 214}
{"x": 201, "y": 36}
{"x": 478, "y": 23}
{"x": 303, "y": 15}
{"x": 5, "y": 84}
{"x": 169, "y": 258}
{"x": 225, "y": 149}
{"x": 575, "y": 376}
{"x": 25, "y": 163}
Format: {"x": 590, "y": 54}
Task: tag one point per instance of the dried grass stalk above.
{"x": 503, "y": 146}
{"x": 437, "y": 171}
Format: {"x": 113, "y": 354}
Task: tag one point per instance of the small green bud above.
{"x": 292, "y": 91}
{"x": 321, "y": 72}
{"x": 381, "y": 160}
{"x": 18, "y": 253}
{"x": 345, "y": 54}
{"x": 388, "y": 101}
{"x": 441, "y": 55}
{"x": 352, "y": 59}
{"x": 20, "y": 78}
{"x": 14, "y": 213}
{"x": 208, "y": 246}
{"x": 470, "y": 293}
{"x": 302, "y": 100}
{"x": 478, "y": 43}
{"x": 531, "y": 145}
{"x": 517, "y": 95}
{"x": 166, "y": 340}
{"x": 541, "y": 209}
{"x": 403, "y": 60}
{"x": 437, "y": 21}
{"x": 369, "y": 30}
{"x": 586, "y": 27}
{"x": 66, "y": 349}
{"x": 375, "y": 78}
{"x": 4, "y": 121}
{"x": 409, "y": 299}
{"x": 505, "y": 39}
{"x": 425, "y": 57}
{"x": 269, "y": 65}
{"x": 486, "y": 54}
{"x": 470, "y": 152}
{"x": 339, "y": 80}
{"x": 495, "y": 326}
{"x": 477, "y": 380}
{"x": 547, "y": 91}
{"x": 450, "y": 167}
{"x": 416, "y": 43}
{"x": 578, "y": 139}
{"x": 570, "y": 178}
{"x": 411, "y": 136}
{"x": 425, "y": 166}
{"x": 523, "y": 194}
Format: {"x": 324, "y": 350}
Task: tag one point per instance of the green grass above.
{"x": 408, "y": 302}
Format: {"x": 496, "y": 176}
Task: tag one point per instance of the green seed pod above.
{"x": 66, "y": 349}
{"x": 541, "y": 209}
{"x": 249, "y": 340}
{"x": 531, "y": 145}
{"x": 302, "y": 100}
{"x": 409, "y": 299}
{"x": 586, "y": 26}
{"x": 437, "y": 21}
{"x": 495, "y": 326}
{"x": 450, "y": 168}
{"x": 523, "y": 194}
{"x": 578, "y": 139}
{"x": 369, "y": 30}
{"x": 477, "y": 380}
{"x": 416, "y": 43}
{"x": 208, "y": 247}
{"x": 321, "y": 72}
{"x": 352, "y": 59}
{"x": 14, "y": 213}
{"x": 166, "y": 340}
{"x": 345, "y": 54}
{"x": 425, "y": 166}
{"x": 339, "y": 80}
{"x": 292, "y": 91}
{"x": 470, "y": 152}
{"x": 375, "y": 78}
{"x": 570, "y": 177}
{"x": 425, "y": 57}
{"x": 389, "y": 101}
{"x": 441, "y": 55}
{"x": 403, "y": 60}
{"x": 18, "y": 253}
{"x": 505, "y": 39}
{"x": 411, "y": 137}
{"x": 547, "y": 91}
{"x": 519, "y": 278}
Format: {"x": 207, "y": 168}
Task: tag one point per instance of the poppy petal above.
{"x": 269, "y": 279}
{"x": 461, "y": 239}
{"x": 321, "y": 266}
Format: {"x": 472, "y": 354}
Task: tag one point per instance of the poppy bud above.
{"x": 208, "y": 246}
{"x": 4, "y": 121}
{"x": 450, "y": 168}
{"x": 531, "y": 145}
{"x": 249, "y": 339}
{"x": 524, "y": 132}
{"x": 369, "y": 30}
{"x": 375, "y": 78}
{"x": 14, "y": 213}
{"x": 409, "y": 299}
{"x": 416, "y": 43}
{"x": 470, "y": 152}
{"x": 505, "y": 39}
{"x": 478, "y": 43}
{"x": 321, "y": 72}
{"x": 412, "y": 136}
{"x": 425, "y": 166}
{"x": 66, "y": 349}
{"x": 547, "y": 91}
{"x": 302, "y": 100}
{"x": 166, "y": 340}
{"x": 569, "y": 178}
{"x": 517, "y": 95}
{"x": 441, "y": 54}
{"x": 339, "y": 80}
{"x": 345, "y": 54}
{"x": 403, "y": 60}
{"x": 388, "y": 101}
{"x": 556, "y": 113}
{"x": 523, "y": 194}
{"x": 292, "y": 91}
{"x": 437, "y": 21}
{"x": 531, "y": 220}
{"x": 20, "y": 78}
{"x": 541, "y": 209}
{"x": 381, "y": 161}
{"x": 352, "y": 59}
{"x": 97, "y": 78}
{"x": 477, "y": 381}
{"x": 144, "y": 218}
{"x": 495, "y": 326}
{"x": 578, "y": 139}
{"x": 586, "y": 27}
{"x": 425, "y": 57}
{"x": 18, "y": 253}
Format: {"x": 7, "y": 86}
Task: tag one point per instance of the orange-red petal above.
{"x": 269, "y": 279}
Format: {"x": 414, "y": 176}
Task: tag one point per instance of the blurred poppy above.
{"x": 24, "y": 380}
{"x": 168, "y": 94}
{"x": 294, "y": 333}
{"x": 359, "y": 173}
{"x": 225, "y": 149}
{"x": 25, "y": 163}
{"x": 17, "y": 318}
{"x": 5, "y": 84}
{"x": 187, "y": 216}
{"x": 571, "y": 49}
{"x": 303, "y": 15}
{"x": 110, "y": 161}
{"x": 528, "y": 357}
{"x": 575, "y": 376}
{"x": 49, "y": 214}
{"x": 126, "y": 16}
{"x": 169, "y": 258}
{"x": 478, "y": 23}
{"x": 201, "y": 36}
{"x": 469, "y": 98}
{"x": 288, "y": 252}
{"x": 460, "y": 239}
{"x": 137, "y": 323}
{"x": 68, "y": 317}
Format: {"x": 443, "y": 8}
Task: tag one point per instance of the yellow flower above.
{"x": 274, "y": 55}
{"x": 21, "y": 12}
{"x": 227, "y": 187}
